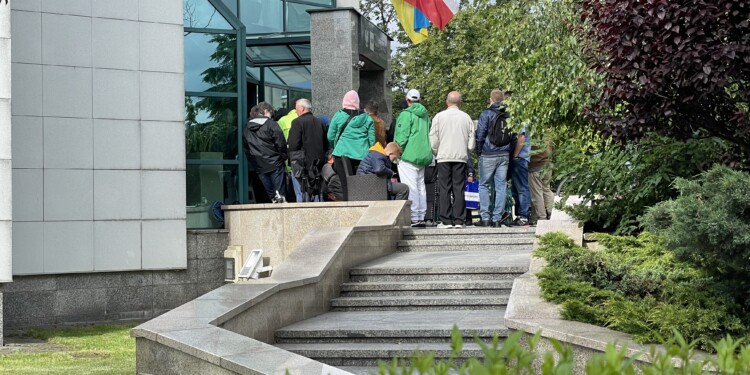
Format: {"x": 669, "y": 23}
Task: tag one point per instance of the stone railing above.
{"x": 230, "y": 329}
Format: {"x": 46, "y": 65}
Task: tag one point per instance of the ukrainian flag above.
{"x": 412, "y": 20}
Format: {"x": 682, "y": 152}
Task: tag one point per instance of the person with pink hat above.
{"x": 351, "y": 134}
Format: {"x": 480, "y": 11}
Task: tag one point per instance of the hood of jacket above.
{"x": 378, "y": 148}
{"x": 417, "y": 109}
{"x": 256, "y": 123}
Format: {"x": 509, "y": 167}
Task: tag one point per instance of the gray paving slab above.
{"x": 460, "y": 247}
{"x": 449, "y": 260}
{"x": 378, "y": 350}
{"x": 426, "y": 285}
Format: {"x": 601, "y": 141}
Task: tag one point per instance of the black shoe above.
{"x": 497, "y": 224}
{"x": 483, "y": 223}
{"x": 418, "y": 224}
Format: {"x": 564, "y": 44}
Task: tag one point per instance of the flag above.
{"x": 420, "y": 21}
{"x": 439, "y": 12}
{"x": 406, "y": 14}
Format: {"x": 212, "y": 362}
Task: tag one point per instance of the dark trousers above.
{"x": 338, "y": 167}
{"x": 451, "y": 180}
{"x": 274, "y": 181}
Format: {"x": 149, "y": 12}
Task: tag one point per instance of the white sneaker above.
{"x": 444, "y": 226}
{"x": 459, "y": 226}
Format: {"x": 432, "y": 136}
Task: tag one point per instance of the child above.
{"x": 379, "y": 161}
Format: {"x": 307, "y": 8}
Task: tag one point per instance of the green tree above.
{"x": 527, "y": 46}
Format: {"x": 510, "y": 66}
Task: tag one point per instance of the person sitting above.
{"x": 378, "y": 162}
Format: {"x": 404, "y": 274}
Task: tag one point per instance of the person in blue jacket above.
{"x": 379, "y": 162}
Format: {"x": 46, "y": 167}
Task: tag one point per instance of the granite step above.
{"x": 436, "y": 277}
{"x": 468, "y": 231}
{"x": 502, "y": 243}
{"x": 433, "y": 292}
{"x": 452, "y": 237}
{"x": 370, "y": 354}
{"x": 420, "y": 302}
{"x": 464, "y": 247}
{"x": 396, "y": 326}
{"x": 365, "y": 289}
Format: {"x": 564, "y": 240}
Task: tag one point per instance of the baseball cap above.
{"x": 413, "y": 95}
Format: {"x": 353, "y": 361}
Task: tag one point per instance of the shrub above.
{"x": 517, "y": 356}
{"x": 621, "y": 182}
{"x": 708, "y": 226}
{"x": 636, "y": 285}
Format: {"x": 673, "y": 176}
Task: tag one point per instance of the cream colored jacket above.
{"x": 452, "y": 135}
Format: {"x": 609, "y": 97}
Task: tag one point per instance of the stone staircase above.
{"x": 409, "y": 301}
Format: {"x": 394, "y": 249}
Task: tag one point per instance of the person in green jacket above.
{"x": 412, "y": 134}
{"x": 351, "y": 134}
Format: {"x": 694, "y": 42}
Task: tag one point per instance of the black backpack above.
{"x": 499, "y": 133}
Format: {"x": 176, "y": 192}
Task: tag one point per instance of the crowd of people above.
{"x": 315, "y": 155}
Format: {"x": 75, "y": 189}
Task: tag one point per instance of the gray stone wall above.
{"x": 43, "y": 300}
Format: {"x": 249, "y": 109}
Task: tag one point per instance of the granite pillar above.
{"x": 334, "y": 53}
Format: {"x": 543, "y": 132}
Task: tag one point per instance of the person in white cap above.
{"x": 412, "y": 134}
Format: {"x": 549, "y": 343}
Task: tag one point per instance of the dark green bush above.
{"x": 636, "y": 285}
{"x": 619, "y": 182}
{"x": 708, "y": 226}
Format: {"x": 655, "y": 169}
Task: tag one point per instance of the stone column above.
{"x": 334, "y": 51}
{"x": 6, "y": 223}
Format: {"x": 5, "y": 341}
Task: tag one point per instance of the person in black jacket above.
{"x": 308, "y": 145}
{"x": 266, "y": 150}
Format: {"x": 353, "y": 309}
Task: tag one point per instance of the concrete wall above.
{"x": 277, "y": 229}
{"x": 41, "y": 300}
{"x": 98, "y": 151}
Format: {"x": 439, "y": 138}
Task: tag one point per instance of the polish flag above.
{"x": 439, "y": 12}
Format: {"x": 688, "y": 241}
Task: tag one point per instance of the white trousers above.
{"x": 413, "y": 176}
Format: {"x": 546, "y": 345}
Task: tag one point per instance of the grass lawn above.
{"x": 103, "y": 349}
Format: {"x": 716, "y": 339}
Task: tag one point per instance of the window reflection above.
{"x": 297, "y": 18}
{"x": 207, "y": 184}
{"x": 211, "y": 128}
{"x": 202, "y": 15}
{"x": 210, "y": 62}
{"x": 262, "y": 16}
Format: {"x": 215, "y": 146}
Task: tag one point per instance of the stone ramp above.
{"x": 408, "y": 302}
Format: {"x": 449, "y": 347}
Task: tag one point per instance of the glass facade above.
{"x": 237, "y": 53}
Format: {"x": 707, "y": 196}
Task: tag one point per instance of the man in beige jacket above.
{"x": 452, "y": 139}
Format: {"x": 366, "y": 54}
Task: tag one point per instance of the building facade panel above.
{"x": 163, "y": 195}
{"x": 155, "y": 105}
{"x": 71, "y": 7}
{"x": 163, "y": 145}
{"x": 117, "y": 9}
{"x": 68, "y": 143}
{"x": 27, "y": 36}
{"x": 161, "y": 47}
{"x": 68, "y": 194}
{"x": 66, "y": 91}
{"x": 27, "y": 98}
{"x": 116, "y": 94}
{"x": 30, "y": 5}
{"x": 67, "y": 48}
{"x": 117, "y": 144}
{"x": 68, "y": 246}
{"x": 117, "y": 245}
{"x": 117, "y": 195}
{"x": 28, "y": 248}
{"x": 28, "y": 142}
{"x": 115, "y": 43}
{"x": 163, "y": 241}
{"x": 164, "y": 11}
{"x": 28, "y": 200}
